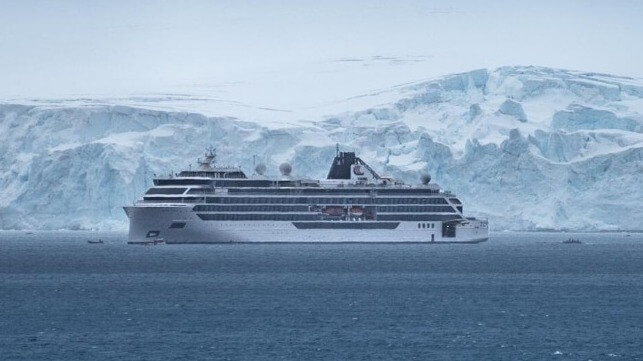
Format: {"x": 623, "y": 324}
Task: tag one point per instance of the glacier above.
{"x": 530, "y": 148}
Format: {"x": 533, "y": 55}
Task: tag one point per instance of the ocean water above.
{"x": 515, "y": 297}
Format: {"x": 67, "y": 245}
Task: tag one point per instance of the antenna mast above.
{"x": 210, "y": 157}
{"x": 254, "y": 163}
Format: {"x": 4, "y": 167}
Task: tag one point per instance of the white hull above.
{"x": 146, "y": 219}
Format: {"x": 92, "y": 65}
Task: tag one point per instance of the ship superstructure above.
{"x": 354, "y": 204}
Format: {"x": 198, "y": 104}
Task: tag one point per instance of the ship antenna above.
{"x": 145, "y": 172}
{"x": 210, "y": 157}
{"x": 337, "y": 149}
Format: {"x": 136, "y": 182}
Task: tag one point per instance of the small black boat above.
{"x": 100, "y": 241}
{"x": 572, "y": 241}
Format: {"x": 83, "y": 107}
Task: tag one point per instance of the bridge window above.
{"x": 165, "y": 191}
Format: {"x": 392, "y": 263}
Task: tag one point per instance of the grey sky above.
{"x": 63, "y": 48}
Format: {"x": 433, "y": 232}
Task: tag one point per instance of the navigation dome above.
{"x": 260, "y": 168}
{"x": 285, "y": 169}
{"x": 425, "y": 178}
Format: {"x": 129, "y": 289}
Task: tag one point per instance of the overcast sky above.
{"x": 65, "y": 48}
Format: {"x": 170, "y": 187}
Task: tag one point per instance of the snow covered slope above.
{"x": 528, "y": 147}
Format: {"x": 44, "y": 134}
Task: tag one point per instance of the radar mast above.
{"x": 208, "y": 162}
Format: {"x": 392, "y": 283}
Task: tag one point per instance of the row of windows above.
{"x": 333, "y": 191}
{"x": 302, "y": 191}
{"x": 406, "y": 191}
{"x": 426, "y": 225}
{"x": 258, "y": 217}
{"x": 181, "y": 182}
{"x": 315, "y": 217}
{"x": 272, "y": 187}
{"x": 306, "y": 200}
{"x": 305, "y": 208}
{"x": 257, "y": 183}
{"x": 213, "y": 174}
{"x": 273, "y": 204}
{"x": 175, "y": 199}
{"x": 166, "y": 191}
{"x": 415, "y": 209}
{"x": 417, "y": 217}
{"x": 200, "y": 191}
{"x": 251, "y": 208}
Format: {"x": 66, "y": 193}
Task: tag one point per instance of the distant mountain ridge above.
{"x": 531, "y": 148}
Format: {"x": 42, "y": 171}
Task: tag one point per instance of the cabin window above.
{"x": 165, "y": 191}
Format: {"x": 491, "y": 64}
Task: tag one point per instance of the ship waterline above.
{"x": 354, "y": 204}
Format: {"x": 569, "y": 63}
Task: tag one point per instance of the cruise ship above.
{"x": 353, "y": 204}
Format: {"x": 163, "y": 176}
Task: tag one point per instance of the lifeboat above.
{"x": 334, "y": 211}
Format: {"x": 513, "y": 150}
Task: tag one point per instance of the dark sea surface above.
{"x": 515, "y": 297}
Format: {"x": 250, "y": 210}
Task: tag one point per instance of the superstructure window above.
{"x": 417, "y": 217}
{"x": 175, "y": 199}
{"x": 166, "y": 191}
{"x": 415, "y": 209}
{"x": 181, "y": 182}
{"x": 405, "y": 191}
{"x": 414, "y": 201}
{"x": 200, "y": 191}
{"x": 163, "y": 199}
{"x": 177, "y": 225}
{"x": 257, "y": 217}
{"x": 334, "y": 200}
{"x": 251, "y": 208}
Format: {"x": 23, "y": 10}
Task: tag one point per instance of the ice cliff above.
{"x": 530, "y": 148}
